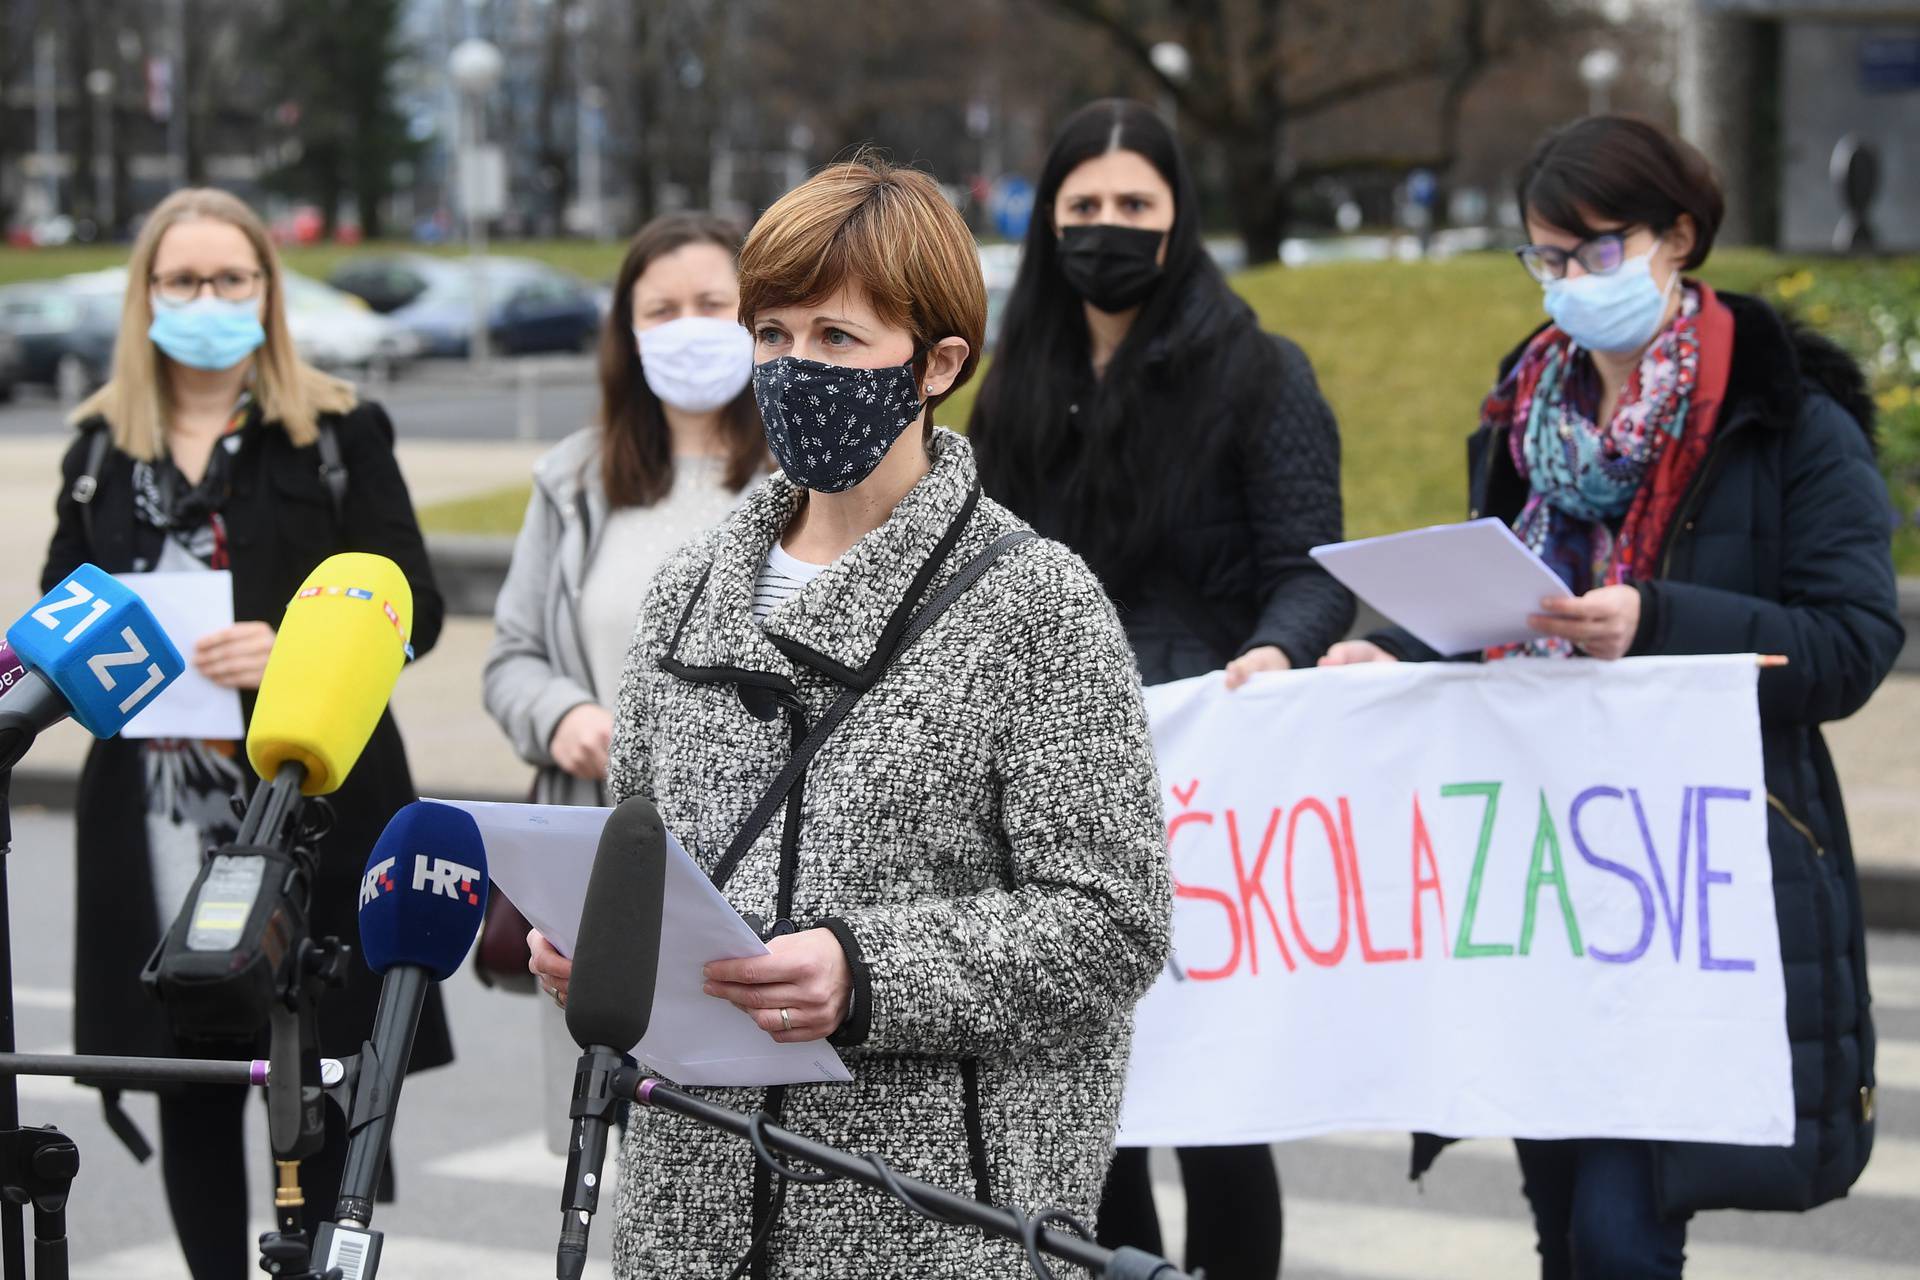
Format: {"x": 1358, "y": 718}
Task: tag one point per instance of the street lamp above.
{"x": 100, "y": 85}
{"x": 1598, "y": 71}
{"x": 475, "y": 67}
{"x": 1176, "y": 64}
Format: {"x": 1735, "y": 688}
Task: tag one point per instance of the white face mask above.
{"x": 696, "y": 363}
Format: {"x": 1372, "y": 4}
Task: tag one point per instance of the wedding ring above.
{"x": 553, "y": 994}
{"x": 786, "y": 1019}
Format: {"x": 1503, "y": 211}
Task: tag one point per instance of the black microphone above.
{"x": 422, "y": 900}
{"x": 609, "y": 1003}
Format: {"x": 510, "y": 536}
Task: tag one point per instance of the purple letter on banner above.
{"x": 1704, "y": 794}
{"x": 1631, "y": 876}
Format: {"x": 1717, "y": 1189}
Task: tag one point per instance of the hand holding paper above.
{"x": 191, "y": 606}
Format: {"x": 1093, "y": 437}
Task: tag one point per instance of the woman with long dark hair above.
{"x": 1136, "y": 412}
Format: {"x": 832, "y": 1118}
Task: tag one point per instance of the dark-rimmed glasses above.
{"x": 178, "y": 288}
{"x": 1599, "y": 256}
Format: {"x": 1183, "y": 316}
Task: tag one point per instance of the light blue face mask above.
{"x": 208, "y": 333}
{"x": 1617, "y": 312}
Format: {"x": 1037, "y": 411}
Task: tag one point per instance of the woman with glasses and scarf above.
{"x": 1700, "y": 473}
{"x": 1136, "y": 411}
{"x": 966, "y": 881}
{"x": 212, "y": 447}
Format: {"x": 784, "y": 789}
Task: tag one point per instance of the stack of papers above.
{"x": 1460, "y": 588}
{"x": 542, "y": 855}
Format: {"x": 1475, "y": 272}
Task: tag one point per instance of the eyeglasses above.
{"x": 1599, "y": 256}
{"x": 178, "y": 288}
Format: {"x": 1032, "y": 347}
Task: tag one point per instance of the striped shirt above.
{"x": 781, "y": 576}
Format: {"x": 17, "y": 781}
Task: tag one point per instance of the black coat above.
{"x": 1229, "y": 570}
{"x": 1781, "y": 547}
{"x": 280, "y": 524}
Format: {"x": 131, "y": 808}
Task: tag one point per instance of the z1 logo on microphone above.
{"x": 441, "y": 876}
{"x": 96, "y": 641}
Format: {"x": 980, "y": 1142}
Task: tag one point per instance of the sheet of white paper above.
{"x": 188, "y": 606}
{"x": 542, "y": 855}
{"x": 1458, "y": 587}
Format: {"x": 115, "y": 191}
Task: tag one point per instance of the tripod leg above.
{"x": 50, "y": 1243}
{"x": 13, "y": 1234}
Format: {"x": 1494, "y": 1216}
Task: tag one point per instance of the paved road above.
{"x": 436, "y": 400}
{"x": 478, "y": 1190}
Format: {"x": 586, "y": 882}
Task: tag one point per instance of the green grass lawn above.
{"x": 1404, "y": 353}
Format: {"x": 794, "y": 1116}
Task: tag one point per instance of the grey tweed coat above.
{"x": 983, "y": 834}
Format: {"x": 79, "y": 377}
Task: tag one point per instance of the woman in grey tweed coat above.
{"x": 969, "y": 885}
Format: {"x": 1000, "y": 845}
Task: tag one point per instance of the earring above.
{"x": 929, "y": 388}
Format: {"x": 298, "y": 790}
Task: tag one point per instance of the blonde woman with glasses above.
{"x": 212, "y": 447}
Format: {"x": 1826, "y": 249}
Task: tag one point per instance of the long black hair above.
{"x": 1104, "y": 477}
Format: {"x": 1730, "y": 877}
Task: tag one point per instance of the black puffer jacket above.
{"x": 1781, "y": 547}
{"x": 1230, "y": 570}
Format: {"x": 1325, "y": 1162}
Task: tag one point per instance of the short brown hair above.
{"x": 636, "y": 448}
{"x": 885, "y": 230}
{"x": 1622, "y": 170}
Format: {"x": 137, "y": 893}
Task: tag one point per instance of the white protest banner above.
{"x": 1522, "y": 899}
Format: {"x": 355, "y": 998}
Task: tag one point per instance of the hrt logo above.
{"x": 447, "y": 877}
{"x": 377, "y": 881}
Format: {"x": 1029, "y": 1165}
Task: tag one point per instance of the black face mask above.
{"x": 1111, "y": 266}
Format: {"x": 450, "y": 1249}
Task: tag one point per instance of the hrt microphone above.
{"x": 609, "y": 1003}
{"x": 338, "y": 653}
{"x": 90, "y": 649}
{"x": 421, "y": 903}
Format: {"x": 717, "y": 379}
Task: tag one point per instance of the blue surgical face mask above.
{"x": 1617, "y": 312}
{"x": 829, "y": 425}
{"x": 208, "y": 333}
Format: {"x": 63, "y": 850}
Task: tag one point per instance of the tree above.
{"x": 1261, "y": 71}
{"x": 333, "y": 64}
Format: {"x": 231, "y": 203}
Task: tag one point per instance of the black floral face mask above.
{"x": 829, "y": 425}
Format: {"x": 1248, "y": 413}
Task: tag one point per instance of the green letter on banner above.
{"x": 1546, "y": 838}
{"x": 1464, "y": 947}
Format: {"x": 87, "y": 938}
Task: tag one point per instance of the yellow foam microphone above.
{"x": 335, "y": 661}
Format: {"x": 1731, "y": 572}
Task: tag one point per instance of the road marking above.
{"x": 1892, "y": 1174}
{"x": 1894, "y": 986}
{"x": 59, "y": 999}
{"x": 1896, "y": 1064}
{"x": 414, "y": 1257}
{"x": 521, "y": 1161}
{"x": 1413, "y": 1244}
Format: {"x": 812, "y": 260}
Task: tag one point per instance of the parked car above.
{"x": 389, "y": 281}
{"x": 11, "y": 365}
{"x": 336, "y": 330}
{"x": 530, "y": 307}
{"x": 64, "y": 330}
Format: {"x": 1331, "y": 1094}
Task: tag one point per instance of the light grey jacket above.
{"x": 537, "y": 669}
{"x": 982, "y": 833}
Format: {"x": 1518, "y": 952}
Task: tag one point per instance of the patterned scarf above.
{"x": 191, "y": 784}
{"x": 1588, "y": 513}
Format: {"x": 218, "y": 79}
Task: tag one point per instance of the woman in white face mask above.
{"x": 678, "y": 438}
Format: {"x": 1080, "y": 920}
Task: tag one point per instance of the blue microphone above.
{"x": 91, "y": 649}
{"x": 422, "y": 899}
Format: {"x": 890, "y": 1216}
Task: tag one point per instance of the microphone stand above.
{"x": 37, "y": 1166}
{"x": 1034, "y": 1233}
{"x": 296, "y": 1111}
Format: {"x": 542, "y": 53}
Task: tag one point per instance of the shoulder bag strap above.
{"x": 88, "y": 482}
{"x": 333, "y": 472}
{"x": 796, "y": 765}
